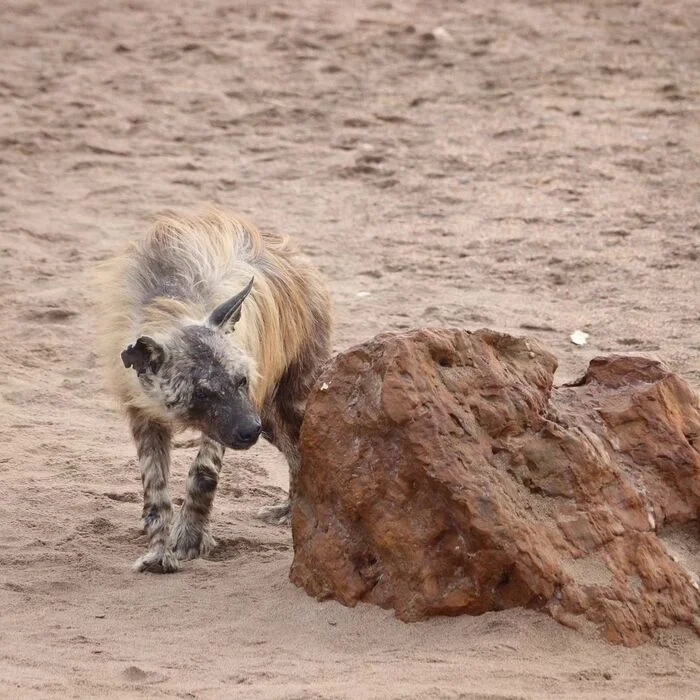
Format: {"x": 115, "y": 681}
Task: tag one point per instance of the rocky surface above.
{"x": 443, "y": 474}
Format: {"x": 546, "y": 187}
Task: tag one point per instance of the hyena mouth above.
{"x": 240, "y": 446}
{"x": 244, "y": 438}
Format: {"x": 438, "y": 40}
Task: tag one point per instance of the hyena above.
{"x": 215, "y": 326}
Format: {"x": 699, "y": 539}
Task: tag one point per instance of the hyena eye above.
{"x": 200, "y": 395}
{"x": 243, "y": 383}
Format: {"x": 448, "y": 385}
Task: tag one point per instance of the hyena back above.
{"x": 215, "y": 326}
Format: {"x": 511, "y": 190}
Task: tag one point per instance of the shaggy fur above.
{"x": 185, "y": 345}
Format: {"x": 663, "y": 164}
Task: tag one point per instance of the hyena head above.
{"x": 200, "y": 378}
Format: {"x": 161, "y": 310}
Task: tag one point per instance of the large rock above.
{"x": 441, "y": 474}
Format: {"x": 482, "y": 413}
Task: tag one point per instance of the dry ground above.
{"x": 531, "y": 166}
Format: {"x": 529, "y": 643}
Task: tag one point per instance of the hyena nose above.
{"x": 250, "y": 433}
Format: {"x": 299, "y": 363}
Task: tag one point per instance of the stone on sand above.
{"x": 443, "y": 474}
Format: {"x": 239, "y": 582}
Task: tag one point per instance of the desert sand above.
{"x": 524, "y": 165}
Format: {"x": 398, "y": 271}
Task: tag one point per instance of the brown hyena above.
{"x": 215, "y": 326}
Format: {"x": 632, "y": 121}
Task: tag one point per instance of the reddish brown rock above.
{"x": 441, "y": 474}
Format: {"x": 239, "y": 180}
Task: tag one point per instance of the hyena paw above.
{"x": 158, "y": 561}
{"x": 280, "y": 514}
{"x": 188, "y": 542}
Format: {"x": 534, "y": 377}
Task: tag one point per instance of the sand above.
{"x": 527, "y": 166}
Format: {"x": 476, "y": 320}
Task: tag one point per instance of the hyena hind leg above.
{"x": 190, "y": 536}
{"x": 153, "y": 449}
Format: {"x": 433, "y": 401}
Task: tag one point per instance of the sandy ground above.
{"x": 531, "y": 166}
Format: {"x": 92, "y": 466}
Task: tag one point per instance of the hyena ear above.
{"x": 145, "y": 355}
{"x": 226, "y": 315}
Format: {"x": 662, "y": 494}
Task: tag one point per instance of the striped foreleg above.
{"x": 153, "y": 449}
{"x": 190, "y": 535}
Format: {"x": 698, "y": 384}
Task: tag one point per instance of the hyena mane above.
{"x": 209, "y": 324}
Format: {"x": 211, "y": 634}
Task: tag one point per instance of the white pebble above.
{"x": 579, "y": 337}
{"x": 441, "y": 34}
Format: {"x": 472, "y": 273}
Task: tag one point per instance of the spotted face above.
{"x": 200, "y": 379}
{"x": 217, "y": 397}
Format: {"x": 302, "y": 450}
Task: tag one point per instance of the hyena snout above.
{"x": 248, "y": 433}
{"x": 238, "y": 431}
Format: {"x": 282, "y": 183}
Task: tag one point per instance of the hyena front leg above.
{"x": 283, "y": 415}
{"x": 281, "y": 426}
{"x": 153, "y": 449}
{"x": 190, "y": 535}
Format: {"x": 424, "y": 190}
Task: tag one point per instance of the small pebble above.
{"x": 579, "y": 337}
{"x": 441, "y": 34}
